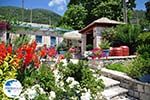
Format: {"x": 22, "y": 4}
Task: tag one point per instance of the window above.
{"x": 38, "y": 38}
{"x": 53, "y": 41}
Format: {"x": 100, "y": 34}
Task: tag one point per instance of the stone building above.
{"x": 91, "y": 34}
{"x": 42, "y": 33}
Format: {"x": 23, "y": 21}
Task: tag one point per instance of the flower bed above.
{"x": 43, "y": 81}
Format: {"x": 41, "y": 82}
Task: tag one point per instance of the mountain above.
{"x": 38, "y": 15}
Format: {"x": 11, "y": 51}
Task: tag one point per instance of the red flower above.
{"x": 9, "y": 49}
{"x": 36, "y": 61}
{"x": 52, "y": 52}
{"x": 33, "y": 45}
{"x": 43, "y": 52}
{"x": 28, "y": 59}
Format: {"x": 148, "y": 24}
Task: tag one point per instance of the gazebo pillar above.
{"x": 94, "y": 38}
{"x": 98, "y": 35}
{"x": 83, "y": 47}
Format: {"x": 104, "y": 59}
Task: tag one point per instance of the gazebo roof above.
{"x": 101, "y": 21}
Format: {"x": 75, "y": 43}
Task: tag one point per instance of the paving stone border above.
{"x": 136, "y": 88}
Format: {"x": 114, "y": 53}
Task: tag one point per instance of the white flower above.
{"x": 21, "y": 98}
{"x": 87, "y": 53}
{"x": 32, "y": 94}
{"x": 74, "y": 98}
{"x": 35, "y": 86}
{"x": 61, "y": 83}
{"x": 86, "y": 96}
{"x": 73, "y": 84}
{"x": 52, "y": 94}
{"x": 64, "y": 62}
{"x": 70, "y": 79}
{"x": 41, "y": 91}
{"x": 95, "y": 75}
{"x": 56, "y": 71}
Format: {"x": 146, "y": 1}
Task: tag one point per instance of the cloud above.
{"x": 58, "y": 6}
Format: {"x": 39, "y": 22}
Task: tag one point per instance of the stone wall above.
{"x": 136, "y": 88}
{"x": 99, "y": 63}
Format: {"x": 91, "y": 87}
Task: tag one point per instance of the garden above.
{"x": 43, "y": 80}
{"x": 138, "y": 42}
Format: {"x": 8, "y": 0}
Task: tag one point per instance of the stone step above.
{"x": 124, "y": 97}
{"x": 113, "y": 92}
{"x": 109, "y": 82}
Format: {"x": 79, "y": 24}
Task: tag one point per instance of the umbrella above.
{"x": 73, "y": 35}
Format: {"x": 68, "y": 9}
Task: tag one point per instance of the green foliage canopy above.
{"x": 74, "y": 16}
{"x": 94, "y": 9}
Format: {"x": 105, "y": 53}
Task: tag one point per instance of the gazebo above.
{"x": 91, "y": 34}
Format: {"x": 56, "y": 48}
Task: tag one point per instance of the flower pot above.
{"x": 62, "y": 52}
{"x": 145, "y": 78}
{"x": 125, "y": 50}
{"x": 106, "y": 52}
{"x": 117, "y": 51}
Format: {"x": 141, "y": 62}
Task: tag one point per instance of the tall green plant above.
{"x": 127, "y": 35}
{"x": 105, "y": 44}
{"x": 18, "y": 41}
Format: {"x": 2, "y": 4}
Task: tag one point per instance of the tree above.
{"x": 74, "y": 17}
{"x": 147, "y": 5}
{"x": 96, "y": 9}
{"x": 111, "y": 9}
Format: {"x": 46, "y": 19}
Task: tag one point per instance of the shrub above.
{"x": 69, "y": 81}
{"x": 144, "y": 38}
{"x": 82, "y": 73}
{"x": 127, "y": 35}
{"x": 43, "y": 76}
{"x": 139, "y": 67}
{"x": 144, "y": 50}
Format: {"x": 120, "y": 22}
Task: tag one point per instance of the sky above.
{"x": 58, "y": 6}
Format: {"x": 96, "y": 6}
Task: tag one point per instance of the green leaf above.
{"x": 1, "y": 72}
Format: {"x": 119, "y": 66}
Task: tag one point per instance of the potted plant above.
{"x": 68, "y": 56}
{"x": 89, "y": 47}
{"x": 62, "y": 48}
{"x": 105, "y": 45}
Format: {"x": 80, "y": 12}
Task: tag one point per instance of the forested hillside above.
{"x": 38, "y": 15}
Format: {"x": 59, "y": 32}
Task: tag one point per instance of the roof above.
{"x": 101, "y": 21}
{"x": 4, "y": 26}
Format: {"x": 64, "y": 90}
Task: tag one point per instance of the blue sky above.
{"x": 58, "y": 6}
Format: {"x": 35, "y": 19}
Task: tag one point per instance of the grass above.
{"x": 118, "y": 67}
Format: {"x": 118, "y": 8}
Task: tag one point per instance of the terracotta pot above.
{"x": 125, "y": 50}
{"x": 117, "y": 51}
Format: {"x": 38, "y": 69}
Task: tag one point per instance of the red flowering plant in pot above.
{"x": 96, "y": 53}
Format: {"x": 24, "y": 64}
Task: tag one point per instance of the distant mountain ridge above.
{"x": 41, "y": 16}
